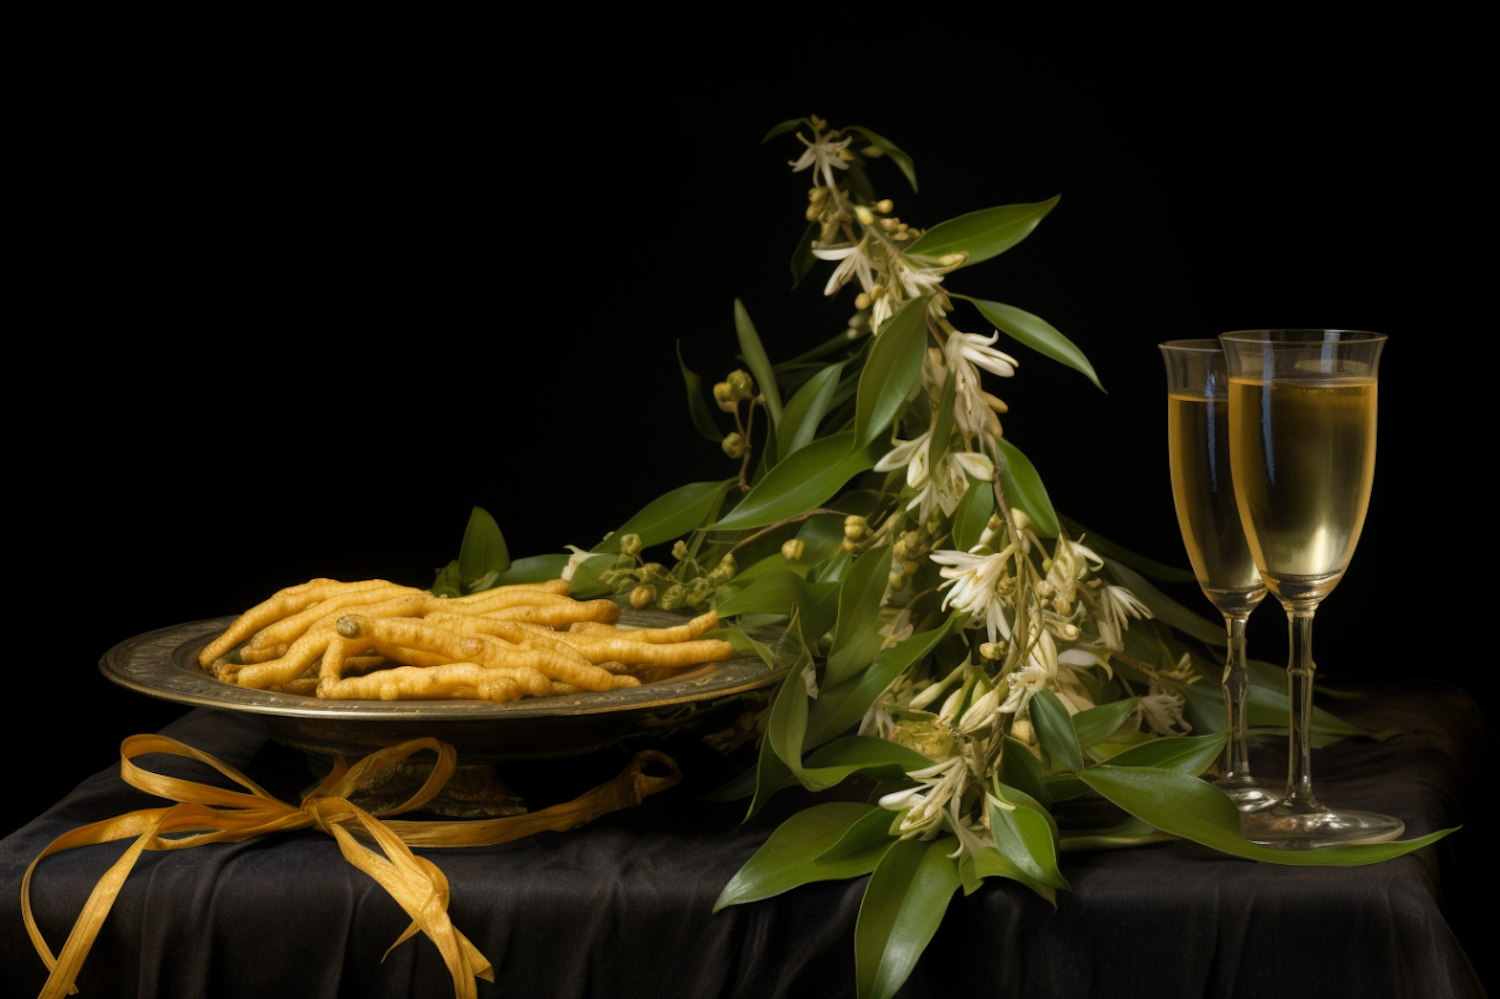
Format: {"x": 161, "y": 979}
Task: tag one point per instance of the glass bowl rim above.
{"x": 1343, "y": 336}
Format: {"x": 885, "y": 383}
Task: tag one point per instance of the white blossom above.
{"x": 1116, "y": 606}
{"x": 852, "y": 263}
{"x": 1161, "y": 710}
{"x": 823, "y": 155}
{"x": 973, "y": 582}
{"x": 578, "y": 557}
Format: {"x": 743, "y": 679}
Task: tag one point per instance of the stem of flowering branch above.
{"x": 1134, "y": 663}
{"x": 782, "y": 523}
{"x": 749, "y": 426}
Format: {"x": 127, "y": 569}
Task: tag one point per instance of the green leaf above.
{"x": 782, "y": 129}
{"x": 1097, "y": 724}
{"x": 742, "y": 786}
{"x": 1185, "y": 754}
{"x": 859, "y": 754}
{"x": 1130, "y": 833}
{"x": 802, "y": 256}
{"x": 1165, "y": 609}
{"x": 800, "y": 482}
{"x": 1107, "y": 548}
{"x": 973, "y": 513}
{"x": 743, "y": 644}
{"x": 787, "y": 723}
{"x": 892, "y": 150}
{"x": 1020, "y": 768}
{"x": 1024, "y": 489}
{"x": 449, "y": 582}
{"x": 840, "y": 706}
{"x": 1036, "y": 333}
{"x": 1025, "y": 837}
{"x": 870, "y": 831}
{"x": 832, "y": 345}
{"x": 483, "y": 549}
{"x": 902, "y": 907}
{"x": 895, "y": 361}
{"x": 788, "y": 858}
{"x": 799, "y": 422}
{"x": 1183, "y": 805}
{"x": 857, "y": 638}
{"x": 669, "y": 516}
{"x": 533, "y": 569}
{"x": 942, "y": 424}
{"x": 1054, "y": 729}
{"x": 993, "y": 864}
{"x": 703, "y": 417}
{"x": 778, "y": 592}
{"x": 760, "y": 365}
{"x": 982, "y": 234}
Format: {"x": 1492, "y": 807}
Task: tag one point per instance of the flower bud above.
{"x": 993, "y": 650}
{"x": 873, "y": 152}
{"x": 996, "y": 522}
{"x": 741, "y": 384}
{"x": 855, "y": 527}
{"x": 812, "y": 213}
{"x": 642, "y": 596}
{"x": 679, "y": 550}
{"x": 630, "y": 544}
{"x": 673, "y": 598}
{"x": 724, "y": 397}
{"x": 1019, "y": 516}
{"x": 885, "y": 206}
{"x": 1046, "y": 590}
{"x": 698, "y": 591}
{"x": 899, "y": 550}
{"x": 648, "y": 571}
{"x": 865, "y": 216}
{"x": 896, "y": 580}
{"x": 728, "y": 566}
{"x": 889, "y": 225}
{"x": 862, "y": 301}
{"x": 1022, "y": 732}
{"x": 910, "y": 567}
{"x": 847, "y": 545}
{"x": 952, "y": 259}
{"x": 734, "y": 446}
{"x": 818, "y": 194}
{"x": 792, "y": 550}
{"x": 846, "y": 156}
{"x": 1069, "y": 631}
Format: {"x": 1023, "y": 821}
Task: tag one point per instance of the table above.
{"x": 622, "y": 907}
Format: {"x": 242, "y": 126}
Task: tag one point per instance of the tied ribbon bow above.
{"x": 217, "y": 815}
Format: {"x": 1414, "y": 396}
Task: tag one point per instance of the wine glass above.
{"x": 1198, "y": 447}
{"x": 1302, "y": 449}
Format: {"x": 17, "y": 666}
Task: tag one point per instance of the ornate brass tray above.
{"x": 164, "y": 664}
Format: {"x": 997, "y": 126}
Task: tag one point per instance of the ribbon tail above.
{"x": 86, "y": 927}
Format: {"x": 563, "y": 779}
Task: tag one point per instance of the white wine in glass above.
{"x": 1198, "y": 451}
{"x": 1302, "y": 448}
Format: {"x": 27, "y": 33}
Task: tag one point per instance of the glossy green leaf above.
{"x": 1024, "y": 489}
{"x": 1264, "y": 707}
{"x": 669, "y": 516}
{"x": 1036, "y": 333}
{"x": 871, "y": 831}
{"x": 1185, "y": 754}
{"x": 743, "y": 644}
{"x": 902, "y": 907}
{"x": 533, "y": 569}
{"x": 760, "y": 365}
{"x": 449, "y": 582}
{"x": 1025, "y": 838}
{"x": 973, "y": 514}
{"x": 942, "y": 424}
{"x": 703, "y": 417}
{"x": 787, "y": 858}
{"x": 992, "y": 864}
{"x": 1140, "y": 563}
{"x": 742, "y": 786}
{"x": 857, "y": 638}
{"x": 799, "y": 423}
{"x": 895, "y": 361}
{"x": 585, "y": 583}
{"x": 1185, "y": 806}
{"x": 787, "y": 723}
{"x": 1054, "y": 729}
{"x": 1097, "y": 724}
{"x": 783, "y": 128}
{"x": 483, "y": 548}
{"x": 982, "y": 234}
{"x": 1021, "y": 769}
{"x": 1164, "y": 608}
{"x": 1130, "y": 833}
{"x": 778, "y": 592}
{"x": 840, "y": 706}
{"x": 897, "y": 155}
{"x": 879, "y": 759}
{"x": 800, "y": 483}
{"x": 802, "y": 256}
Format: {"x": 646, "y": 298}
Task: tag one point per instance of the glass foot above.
{"x": 1282, "y": 828}
{"x": 1247, "y": 795}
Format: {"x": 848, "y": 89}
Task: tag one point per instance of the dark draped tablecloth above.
{"x": 621, "y": 907}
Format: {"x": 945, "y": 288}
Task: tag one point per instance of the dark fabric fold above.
{"x": 622, "y": 907}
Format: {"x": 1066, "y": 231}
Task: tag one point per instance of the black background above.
{"x": 301, "y": 308}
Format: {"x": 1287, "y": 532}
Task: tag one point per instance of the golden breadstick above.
{"x": 406, "y": 605}
{"x": 479, "y": 603}
{"x": 305, "y": 685}
{"x": 566, "y": 612}
{"x": 622, "y": 649}
{"x": 418, "y": 683}
{"x": 288, "y": 601}
{"x": 513, "y": 632}
{"x": 270, "y": 641}
{"x": 656, "y": 636}
{"x": 554, "y": 586}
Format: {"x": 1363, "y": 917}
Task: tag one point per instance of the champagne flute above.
{"x": 1302, "y": 449}
{"x": 1198, "y": 447}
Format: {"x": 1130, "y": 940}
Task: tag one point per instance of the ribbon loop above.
{"x": 209, "y": 814}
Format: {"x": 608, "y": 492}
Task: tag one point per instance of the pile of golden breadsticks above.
{"x": 376, "y": 640}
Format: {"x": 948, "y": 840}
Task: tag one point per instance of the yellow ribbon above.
{"x": 217, "y": 815}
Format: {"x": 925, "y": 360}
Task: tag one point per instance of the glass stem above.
{"x": 1299, "y": 793}
{"x": 1236, "y": 761}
